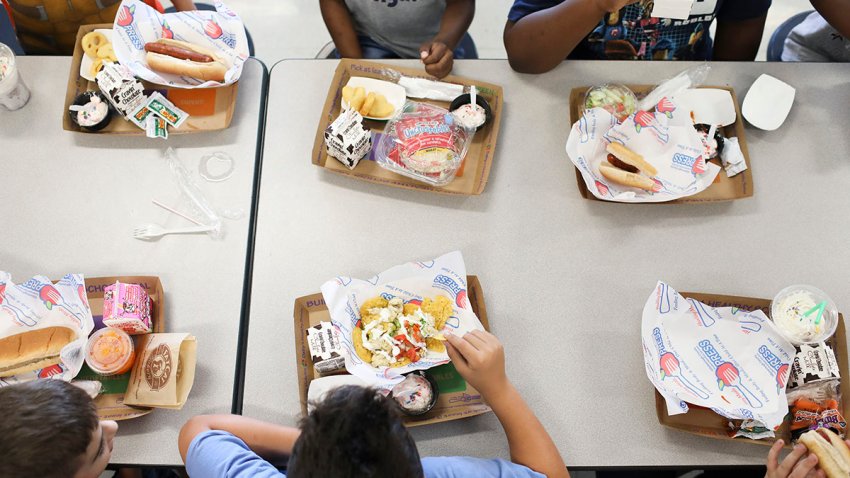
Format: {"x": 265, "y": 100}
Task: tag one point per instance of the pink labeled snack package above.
{"x": 127, "y": 307}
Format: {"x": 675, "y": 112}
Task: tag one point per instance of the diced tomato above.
{"x": 412, "y": 355}
{"x": 417, "y": 333}
{"x": 359, "y": 324}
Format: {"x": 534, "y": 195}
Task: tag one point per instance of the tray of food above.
{"x": 415, "y": 370}
{"x": 392, "y": 125}
{"x": 103, "y": 334}
{"x": 806, "y": 379}
{"x": 135, "y": 77}
{"x": 688, "y": 148}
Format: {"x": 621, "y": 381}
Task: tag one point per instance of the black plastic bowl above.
{"x": 435, "y": 394}
{"x": 84, "y": 98}
{"x": 465, "y": 99}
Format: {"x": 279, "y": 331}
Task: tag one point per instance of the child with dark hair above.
{"x": 50, "y": 429}
{"x": 357, "y": 432}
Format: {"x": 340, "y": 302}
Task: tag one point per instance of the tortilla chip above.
{"x": 362, "y": 352}
{"x": 435, "y": 345}
{"x": 410, "y": 309}
{"x": 440, "y": 308}
{"x": 401, "y": 363}
{"x": 375, "y": 302}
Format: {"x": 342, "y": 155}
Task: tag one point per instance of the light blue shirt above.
{"x": 218, "y": 454}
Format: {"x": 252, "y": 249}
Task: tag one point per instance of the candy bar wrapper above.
{"x": 726, "y": 359}
{"x": 137, "y": 24}
{"x": 164, "y": 371}
{"x": 665, "y": 138}
{"x": 414, "y": 281}
{"x": 37, "y": 304}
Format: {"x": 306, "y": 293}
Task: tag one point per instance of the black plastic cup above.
{"x": 465, "y": 99}
{"x": 84, "y": 98}
{"x": 435, "y": 394}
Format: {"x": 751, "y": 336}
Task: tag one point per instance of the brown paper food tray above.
{"x": 311, "y": 309}
{"x": 722, "y": 189}
{"x": 704, "y": 422}
{"x": 474, "y": 172}
{"x": 224, "y": 98}
{"x": 110, "y": 405}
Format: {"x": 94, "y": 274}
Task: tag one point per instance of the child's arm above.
{"x": 738, "y": 40}
{"x": 183, "y": 5}
{"x": 835, "y": 13}
{"x": 341, "y": 27}
{"x": 437, "y": 54}
{"x": 480, "y": 359}
{"x": 541, "y": 40}
{"x": 271, "y": 442}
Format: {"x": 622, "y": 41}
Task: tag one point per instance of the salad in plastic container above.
{"x": 618, "y": 100}
{"x": 423, "y": 142}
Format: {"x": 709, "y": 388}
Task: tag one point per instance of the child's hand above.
{"x": 612, "y": 6}
{"x": 480, "y": 359}
{"x": 437, "y": 57}
{"x": 795, "y": 465}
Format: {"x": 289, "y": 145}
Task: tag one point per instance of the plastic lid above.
{"x": 804, "y": 314}
{"x": 768, "y": 103}
{"x": 110, "y": 351}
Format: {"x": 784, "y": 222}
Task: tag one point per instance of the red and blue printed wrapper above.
{"x": 413, "y": 282}
{"x": 38, "y": 303}
{"x": 221, "y": 31}
{"x": 726, "y": 359}
{"x": 665, "y": 138}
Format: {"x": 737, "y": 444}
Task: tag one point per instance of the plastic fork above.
{"x": 154, "y": 231}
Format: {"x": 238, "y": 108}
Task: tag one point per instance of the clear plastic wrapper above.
{"x": 816, "y": 405}
{"x": 192, "y": 192}
{"x": 423, "y": 142}
{"x": 690, "y": 78}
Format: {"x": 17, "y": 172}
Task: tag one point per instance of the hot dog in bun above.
{"x": 182, "y": 58}
{"x": 624, "y": 167}
{"x": 33, "y": 350}
{"x": 833, "y": 454}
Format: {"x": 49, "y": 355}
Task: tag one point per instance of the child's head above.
{"x": 354, "y": 431}
{"x": 49, "y": 428}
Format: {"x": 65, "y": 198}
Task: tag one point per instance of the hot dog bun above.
{"x": 628, "y": 156}
{"x": 212, "y": 71}
{"x": 33, "y": 350}
{"x": 626, "y": 178}
{"x": 833, "y": 454}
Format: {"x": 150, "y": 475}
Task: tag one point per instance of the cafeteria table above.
{"x": 70, "y": 202}
{"x": 564, "y": 278}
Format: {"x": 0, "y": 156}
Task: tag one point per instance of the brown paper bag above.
{"x": 164, "y": 371}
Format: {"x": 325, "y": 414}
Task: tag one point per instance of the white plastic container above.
{"x": 14, "y": 93}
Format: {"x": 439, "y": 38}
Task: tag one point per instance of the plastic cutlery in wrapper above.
{"x": 665, "y": 138}
{"x": 726, "y": 359}
{"x": 220, "y": 31}
{"x": 40, "y": 305}
{"x": 412, "y": 282}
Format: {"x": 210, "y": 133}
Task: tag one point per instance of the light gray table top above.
{"x": 564, "y": 278}
{"x": 71, "y": 201}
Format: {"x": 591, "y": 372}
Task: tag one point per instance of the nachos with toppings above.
{"x": 391, "y": 333}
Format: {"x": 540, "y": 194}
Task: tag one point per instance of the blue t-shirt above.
{"x": 215, "y": 454}
{"x": 633, "y": 34}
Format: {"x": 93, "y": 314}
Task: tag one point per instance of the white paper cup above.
{"x": 14, "y": 93}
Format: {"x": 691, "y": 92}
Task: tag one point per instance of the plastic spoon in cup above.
{"x": 818, "y": 308}
{"x": 472, "y": 93}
